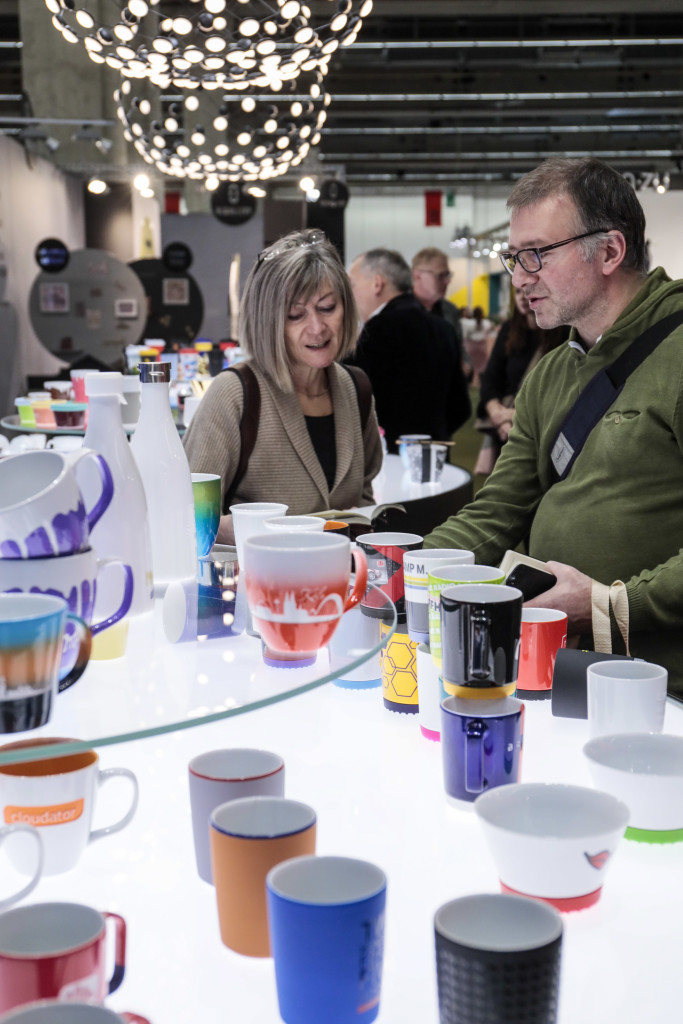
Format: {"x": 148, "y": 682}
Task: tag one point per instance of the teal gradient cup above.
{"x": 206, "y": 488}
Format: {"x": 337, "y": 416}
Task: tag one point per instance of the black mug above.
{"x": 480, "y": 633}
{"x": 569, "y": 692}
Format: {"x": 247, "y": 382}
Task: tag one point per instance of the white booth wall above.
{"x": 37, "y": 201}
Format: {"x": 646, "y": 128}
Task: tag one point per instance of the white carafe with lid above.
{"x": 123, "y": 531}
{"x": 166, "y": 479}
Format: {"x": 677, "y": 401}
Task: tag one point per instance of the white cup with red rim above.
{"x": 58, "y": 951}
{"x": 550, "y": 841}
{"x": 298, "y": 587}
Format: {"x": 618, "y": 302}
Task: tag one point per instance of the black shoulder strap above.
{"x": 249, "y": 422}
{"x": 363, "y": 393}
{"x": 601, "y": 392}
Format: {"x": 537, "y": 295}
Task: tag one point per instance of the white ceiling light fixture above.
{"x": 97, "y": 186}
{"x": 216, "y": 135}
{"x": 186, "y": 43}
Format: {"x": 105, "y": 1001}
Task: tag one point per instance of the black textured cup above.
{"x": 497, "y": 960}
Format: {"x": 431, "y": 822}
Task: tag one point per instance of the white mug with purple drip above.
{"x": 41, "y": 508}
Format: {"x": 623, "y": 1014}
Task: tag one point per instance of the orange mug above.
{"x": 250, "y": 836}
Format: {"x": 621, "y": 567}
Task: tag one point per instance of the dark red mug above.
{"x": 58, "y": 951}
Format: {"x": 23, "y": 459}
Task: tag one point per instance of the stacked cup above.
{"x": 50, "y": 569}
{"x": 468, "y": 625}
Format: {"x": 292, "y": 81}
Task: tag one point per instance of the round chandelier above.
{"x": 217, "y": 43}
{"x": 226, "y": 137}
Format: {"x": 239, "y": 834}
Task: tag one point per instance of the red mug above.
{"x": 384, "y": 553}
{"x": 544, "y": 632}
{"x": 58, "y": 951}
{"x": 298, "y": 587}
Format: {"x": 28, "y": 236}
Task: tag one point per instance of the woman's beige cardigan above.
{"x": 283, "y": 465}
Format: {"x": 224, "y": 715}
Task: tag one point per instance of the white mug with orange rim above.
{"x": 56, "y": 796}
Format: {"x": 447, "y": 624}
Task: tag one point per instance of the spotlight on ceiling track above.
{"x": 97, "y": 186}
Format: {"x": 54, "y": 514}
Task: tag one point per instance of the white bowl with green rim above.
{"x": 645, "y": 770}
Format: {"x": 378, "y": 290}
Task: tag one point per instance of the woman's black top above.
{"x": 503, "y": 374}
{"x": 321, "y": 433}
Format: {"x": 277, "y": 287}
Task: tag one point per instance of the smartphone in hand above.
{"x": 530, "y": 580}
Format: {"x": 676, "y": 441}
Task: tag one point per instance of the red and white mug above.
{"x": 58, "y": 951}
{"x": 298, "y": 587}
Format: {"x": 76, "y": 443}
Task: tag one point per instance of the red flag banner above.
{"x": 433, "y": 209}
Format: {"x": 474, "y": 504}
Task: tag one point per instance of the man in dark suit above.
{"x": 411, "y": 357}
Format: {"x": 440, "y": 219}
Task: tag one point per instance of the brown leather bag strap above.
{"x": 363, "y": 393}
{"x": 249, "y": 424}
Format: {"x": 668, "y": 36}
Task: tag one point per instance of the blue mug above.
{"x": 481, "y": 743}
{"x": 326, "y": 924}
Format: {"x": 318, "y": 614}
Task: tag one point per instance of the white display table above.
{"x": 426, "y": 505}
{"x": 376, "y": 785}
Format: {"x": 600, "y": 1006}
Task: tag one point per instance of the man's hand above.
{"x": 571, "y": 594}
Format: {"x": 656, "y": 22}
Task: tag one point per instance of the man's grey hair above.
{"x": 603, "y": 199}
{"x": 291, "y": 270}
{"x": 389, "y": 264}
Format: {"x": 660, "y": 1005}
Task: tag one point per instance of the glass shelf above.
{"x": 14, "y": 423}
{"x": 159, "y": 687}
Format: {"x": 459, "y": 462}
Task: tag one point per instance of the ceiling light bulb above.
{"x": 248, "y": 104}
{"x": 147, "y": 193}
{"x": 138, "y": 7}
{"x": 249, "y": 27}
{"x": 220, "y": 123}
{"x": 191, "y": 103}
{"x": 306, "y": 184}
{"x": 256, "y": 192}
{"x": 141, "y": 181}
{"x": 97, "y": 186}
{"x": 215, "y": 6}
{"x": 183, "y": 26}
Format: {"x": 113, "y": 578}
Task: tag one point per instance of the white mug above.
{"x": 625, "y": 696}
{"x": 57, "y": 797}
{"x": 29, "y": 838}
{"x": 41, "y": 508}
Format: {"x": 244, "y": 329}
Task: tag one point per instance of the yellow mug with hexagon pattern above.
{"x": 399, "y": 670}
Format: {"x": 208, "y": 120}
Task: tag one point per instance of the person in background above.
{"x": 298, "y": 321}
{"x": 431, "y": 278}
{"x": 577, "y": 251}
{"x": 519, "y": 345}
{"x": 476, "y": 340}
{"x": 411, "y": 357}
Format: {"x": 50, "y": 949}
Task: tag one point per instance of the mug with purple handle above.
{"x": 71, "y": 577}
{"x": 481, "y": 743}
{"x": 41, "y": 507}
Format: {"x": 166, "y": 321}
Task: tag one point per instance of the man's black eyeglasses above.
{"x": 530, "y": 259}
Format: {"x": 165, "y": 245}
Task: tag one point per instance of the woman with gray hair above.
{"x": 317, "y": 443}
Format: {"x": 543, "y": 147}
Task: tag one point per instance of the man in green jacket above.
{"x": 577, "y": 250}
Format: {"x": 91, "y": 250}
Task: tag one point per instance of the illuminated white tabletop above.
{"x": 376, "y": 785}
